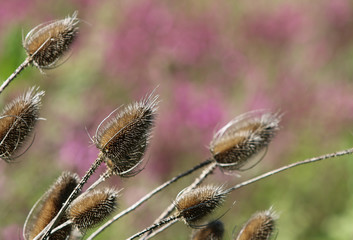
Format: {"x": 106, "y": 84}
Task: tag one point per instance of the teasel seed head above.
{"x": 124, "y": 139}
{"x": 17, "y": 121}
{"x": 260, "y": 226}
{"x": 93, "y": 207}
{"x": 193, "y": 205}
{"x": 49, "y": 205}
{"x": 213, "y": 231}
{"x": 47, "y": 42}
{"x": 244, "y": 138}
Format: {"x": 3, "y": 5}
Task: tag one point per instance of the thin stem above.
{"x": 68, "y": 222}
{"x": 205, "y": 173}
{"x": 72, "y": 196}
{"x": 154, "y": 226}
{"x": 270, "y": 173}
{"x": 148, "y": 196}
{"x": 23, "y": 65}
{"x": 107, "y": 174}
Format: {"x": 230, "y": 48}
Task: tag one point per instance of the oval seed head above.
{"x": 124, "y": 139}
{"x": 49, "y": 206}
{"x": 259, "y": 227}
{"x": 91, "y": 208}
{"x": 243, "y": 138}
{"x": 195, "y": 204}
{"x": 213, "y": 231}
{"x": 47, "y": 42}
{"x": 17, "y": 122}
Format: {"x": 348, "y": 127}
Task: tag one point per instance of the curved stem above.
{"x": 23, "y": 65}
{"x": 281, "y": 169}
{"x": 148, "y": 196}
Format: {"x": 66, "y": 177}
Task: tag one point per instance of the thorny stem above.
{"x": 23, "y": 65}
{"x": 148, "y": 196}
{"x": 205, "y": 173}
{"x": 72, "y": 196}
{"x": 162, "y": 222}
{"x": 255, "y": 179}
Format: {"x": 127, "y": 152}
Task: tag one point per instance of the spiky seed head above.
{"x": 17, "y": 121}
{"x": 49, "y": 206}
{"x": 47, "y": 42}
{"x": 243, "y": 138}
{"x": 212, "y": 231}
{"x": 93, "y": 207}
{"x": 193, "y": 205}
{"x": 124, "y": 139}
{"x": 260, "y": 226}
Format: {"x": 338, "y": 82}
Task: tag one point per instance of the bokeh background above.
{"x": 211, "y": 61}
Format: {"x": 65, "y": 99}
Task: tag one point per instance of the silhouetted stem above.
{"x": 148, "y": 196}
{"x": 23, "y": 65}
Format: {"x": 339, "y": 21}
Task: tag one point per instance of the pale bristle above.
{"x": 92, "y": 208}
{"x": 17, "y": 121}
{"x": 243, "y": 138}
{"x": 50, "y": 205}
{"x": 47, "y": 42}
{"x": 212, "y": 231}
{"x": 260, "y": 226}
{"x": 195, "y": 204}
{"x": 124, "y": 139}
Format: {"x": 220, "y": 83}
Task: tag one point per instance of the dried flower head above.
{"x": 93, "y": 207}
{"x": 47, "y": 42}
{"x": 213, "y": 231}
{"x": 193, "y": 205}
{"x": 124, "y": 139}
{"x": 17, "y": 122}
{"x": 243, "y": 138}
{"x": 49, "y": 205}
{"x": 260, "y": 226}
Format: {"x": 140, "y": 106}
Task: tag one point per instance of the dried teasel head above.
{"x": 212, "y": 231}
{"x": 93, "y": 207}
{"x": 244, "y": 138}
{"x": 193, "y": 205}
{"x": 48, "y": 206}
{"x": 47, "y": 42}
{"x": 260, "y": 226}
{"x": 17, "y": 121}
{"x": 124, "y": 139}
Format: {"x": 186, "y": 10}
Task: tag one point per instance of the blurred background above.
{"x": 211, "y": 61}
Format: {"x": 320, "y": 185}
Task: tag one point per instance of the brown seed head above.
{"x": 259, "y": 227}
{"x": 243, "y": 138}
{"x": 213, "y": 231}
{"x": 49, "y": 206}
{"x": 92, "y": 208}
{"x": 47, "y": 42}
{"x": 195, "y": 204}
{"x": 17, "y": 122}
{"x": 124, "y": 139}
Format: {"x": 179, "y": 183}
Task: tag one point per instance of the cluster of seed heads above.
{"x": 122, "y": 142}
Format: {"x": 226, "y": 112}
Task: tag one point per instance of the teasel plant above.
{"x": 122, "y": 139}
{"x": 65, "y": 212}
{"x": 46, "y": 44}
